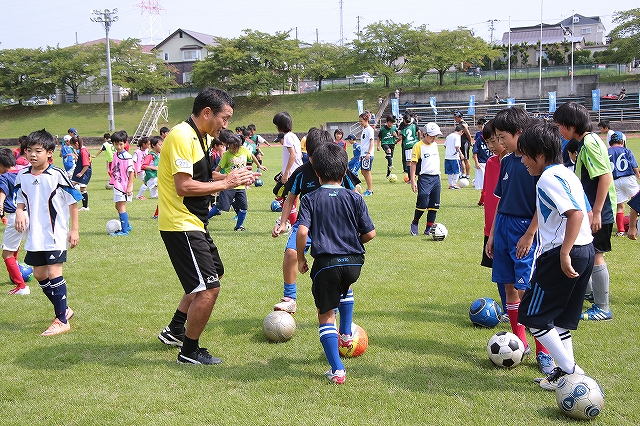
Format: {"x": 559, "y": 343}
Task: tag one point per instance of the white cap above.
{"x": 67, "y": 137}
{"x": 432, "y": 129}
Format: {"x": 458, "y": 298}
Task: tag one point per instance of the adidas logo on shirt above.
{"x": 506, "y": 176}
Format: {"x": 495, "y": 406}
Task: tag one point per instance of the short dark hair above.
{"x": 390, "y": 117}
{"x": 165, "y": 129}
{"x": 335, "y": 133}
{"x": 7, "y": 159}
{"x": 406, "y": 117}
{"x": 251, "y": 127}
{"x": 155, "y": 140}
{"x": 315, "y": 138}
{"x": 78, "y": 140}
{"x": 119, "y": 136}
{"x": 41, "y": 137}
{"x": 283, "y": 122}
{"x": 488, "y": 131}
{"x": 574, "y": 115}
{"x": 106, "y": 136}
{"x": 142, "y": 141}
{"x": 22, "y": 143}
{"x": 216, "y": 99}
{"x": 541, "y": 137}
{"x": 481, "y": 121}
{"x": 573, "y": 145}
{"x": 330, "y": 162}
{"x": 604, "y": 124}
{"x": 511, "y": 120}
{"x": 230, "y": 139}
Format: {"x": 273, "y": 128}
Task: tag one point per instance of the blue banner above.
{"x": 511, "y": 102}
{"x": 360, "y": 106}
{"x": 432, "y": 102}
{"x": 395, "y": 107}
{"x": 472, "y": 101}
{"x": 552, "y": 101}
{"x": 595, "y": 100}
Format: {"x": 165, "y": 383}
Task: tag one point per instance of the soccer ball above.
{"x": 278, "y": 222}
{"x": 505, "y": 349}
{"x": 579, "y": 396}
{"x": 26, "y": 271}
{"x": 108, "y": 186}
{"x": 463, "y": 182}
{"x": 113, "y": 226}
{"x": 258, "y": 182}
{"x": 360, "y": 343}
{"x": 359, "y": 189}
{"x": 276, "y": 206}
{"x": 485, "y": 312}
{"x": 438, "y": 232}
{"x": 279, "y": 326}
{"x": 392, "y": 178}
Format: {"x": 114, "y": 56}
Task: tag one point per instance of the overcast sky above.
{"x": 41, "y": 23}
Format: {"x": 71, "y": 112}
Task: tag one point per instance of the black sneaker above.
{"x": 201, "y": 356}
{"x": 239, "y": 228}
{"x": 551, "y": 381}
{"x": 169, "y": 338}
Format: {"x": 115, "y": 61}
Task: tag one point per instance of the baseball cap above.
{"x": 615, "y": 138}
{"x": 351, "y": 137}
{"x": 432, "y": 129}
{"x": 73, "y": 130}
{"x": 457, "y": 114}
{"x": 279, "y": 137}
{"x": 67, "y": 137}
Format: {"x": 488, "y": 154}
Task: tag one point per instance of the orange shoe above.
{"x": 57, "y": 327}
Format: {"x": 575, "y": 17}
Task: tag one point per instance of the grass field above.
{"x": 425, "y": 363}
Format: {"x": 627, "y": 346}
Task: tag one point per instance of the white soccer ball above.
{"x": 108, "y": 186}
{"x": 579, "y": 396}
{"x": 392, "y": 178}
{"x": 463, "y": 182}
{"x": 505, "y": 349}
{"x": 113, "y": 226}
{"x": 278, "y": 222}
{"x": 279, "y": 326}
{"x": 438, "y": 232}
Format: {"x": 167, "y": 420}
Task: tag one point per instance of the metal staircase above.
{"x": 157, "y": 108}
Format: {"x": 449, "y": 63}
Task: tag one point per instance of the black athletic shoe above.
{"x": 201, "y": 356}
{"x": 170, "y": 339}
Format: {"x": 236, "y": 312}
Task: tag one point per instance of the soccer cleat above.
{"x": 527, "y": 350}
{"x": 155, "y": 216}
{"x": 504, "y": 318}
{"x": 57, "y": 327}
{"x": 551, "y": 381}
{"x": 454, "y": 187}
{"x": 286, "y": 304}
{"x": 68, "y": 314}
{"x": 141, "y": 197}
{"x": 200, "y": 356}
{"x": 414, "y": 229}
{"x": 367, "y": 193}
{"x": 427, "y": 230}
{"x": 120, "y": 233}
{"x": 594, "y": 313}
{"x": 22, "y": 291}
{"x": 620, "y": 234}
{"x": 239, "y": 228}
{"x": 337, "y": 377}
{"x": 169, "y": 338}
{"x": 545, "y": 363}
{"x": 346, "y": 340}
{"x": 589, "y": 297}
{"x": 81, "y": 209}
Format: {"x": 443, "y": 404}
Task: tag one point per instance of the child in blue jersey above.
{"x": 45, "y": 202}
{"x": 303, "y": 181}
{"x": 68, "y": 155}
{"x": 122, "y": 172}
{"x": 511, "y": 243}
{"x": 625, "y": 176}
{"x": 12, "y": 238}
{"x": 481, "y": 154}
{"x": 552, "y": 304}
{"x": 337, "y": 249}
{"x": 354, "y": 163}
{"x": 594, "y": 171}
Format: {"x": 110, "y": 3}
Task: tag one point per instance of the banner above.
{"x": 432, "y": 102}
{"x": 552, "y": 101}
{"x": 472, "y": 101}
{"x": 595, "y": 100}
{"x": 360, "y": 106}
{"x": 511, "y": 102}
{"x": 395, "y": 107}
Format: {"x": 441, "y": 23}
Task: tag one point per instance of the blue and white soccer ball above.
{"x": 579, "y": 396}
{"x": 258, "y": 182}
{"x": 485, "y": 312}
{"x": 276, "y": 206}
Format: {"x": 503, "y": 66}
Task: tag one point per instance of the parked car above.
{"x": 307, "y": 88}
{"x": 364, "y": 78}
{"x": 8, "y": 101}
{"x": 36, "y": 100}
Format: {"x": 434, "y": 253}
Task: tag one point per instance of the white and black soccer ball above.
{"x": 108, "y": 185}
{"x": 438, "y": 232}
{"x": 579, "y": 396}
{"x": 463, "y": 182}
{"x": 485, "y": 312}
{"x": 279, "y": 326}
{"x": 505, "y": 349}
{"x": 113, "y": 226}
{"x": 278, "y": 222}
{"x": 393, "y": 178}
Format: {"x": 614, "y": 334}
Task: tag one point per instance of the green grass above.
{"x": 425, "y": 363}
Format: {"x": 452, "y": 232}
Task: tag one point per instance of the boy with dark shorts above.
{"x": 337, "y": 247}
{"x": 552, "y": 303}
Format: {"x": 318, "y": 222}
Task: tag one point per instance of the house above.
{"x": 181, "y": 49}
{"x": 591, "y": 28}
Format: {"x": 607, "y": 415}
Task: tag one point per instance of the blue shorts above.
{"x": 553, "y": 298}
{"x": 452, "y": 167}
{"x": 428, "y": 192}
{"x": 366, "y": 164}
{"x": 354, "y": 165}
{"x": 291, "y": 242}
{"x": 507, "y": 268}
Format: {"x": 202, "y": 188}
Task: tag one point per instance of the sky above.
{"x": 38, "y": 23}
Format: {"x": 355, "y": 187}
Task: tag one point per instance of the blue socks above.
{"x": 346, "y": 312}
{"x": 124, "y": 222}
{"x": 58, "y": 297}
{"x": 213, "y": 212}
{"x": 329, "y": 340}
{"x": 291, "y": 290}
{"x": 242, "y": 214}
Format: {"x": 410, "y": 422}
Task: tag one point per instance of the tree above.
{"x": 446, "y": 49}
{"x": 625, "y": 37}
{"x": 555, "y": 54}
{"x": 524, "y": 54}
{"x": 25, "y": 73}
{"x": 322, "y": 60}
{"x": 75, "y": 65}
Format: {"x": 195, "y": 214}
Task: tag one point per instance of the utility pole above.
{"x": 341, "y": 26}
{"x": 492, "y": 28}
{"x": 106, "y": 18}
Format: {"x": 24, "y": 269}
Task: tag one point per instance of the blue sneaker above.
{"x": 119, "y": 233}
{"x": 367, "y": 193}
{"x": 414, "y": 229}
{"x": 594, "y": 313}
{"x": 545, "y": 363}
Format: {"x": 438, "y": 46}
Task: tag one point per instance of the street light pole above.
{"x": 106, "y": 18}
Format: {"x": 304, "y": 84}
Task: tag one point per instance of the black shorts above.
{"x": 43, "y": 258}
{"x": 331, "y": 278}
{"x": 388, "y": 149}
{"x": 602, "y": 238}
{"x": 486, "y": 260}
{"x": 195, "y": 259}
{"x": 552, "y": 298}
{"x": 232, "y": 197}
{"x": 465, "y": 145}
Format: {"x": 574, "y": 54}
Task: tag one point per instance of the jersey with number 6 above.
{"x": 622, "y": 161}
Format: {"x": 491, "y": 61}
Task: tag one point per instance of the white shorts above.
{"x": 407, "y": 154}
{"x": 119, "y": 196}
{"x": 152, "y": 184}
{"x": 626, "y": 187}
{"x": 11, "y": 239}
{"x": 479, "y": 179}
